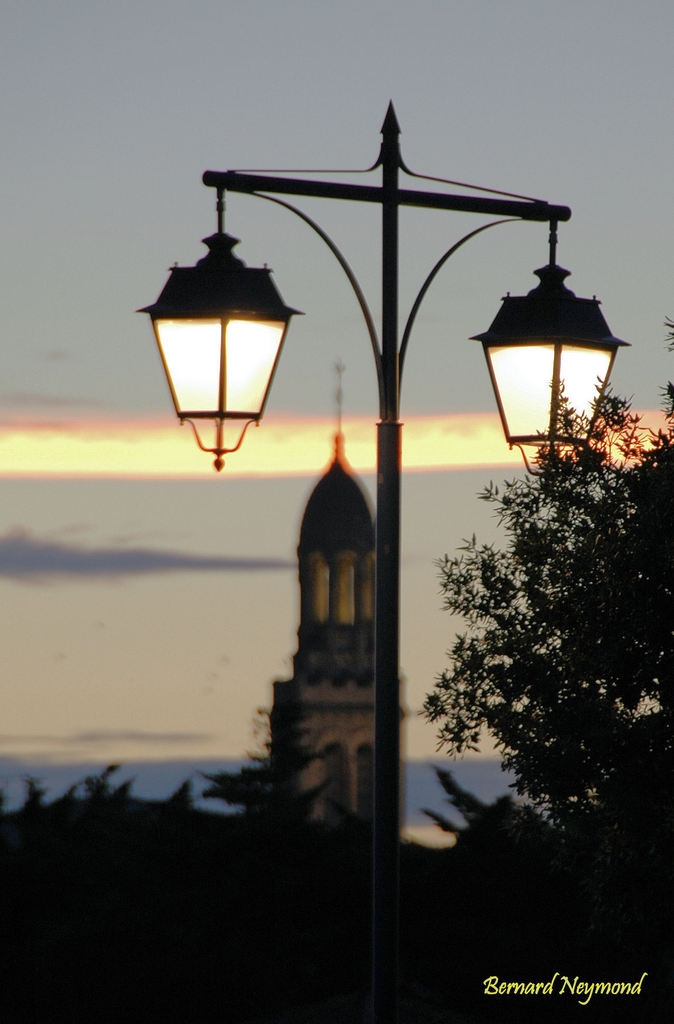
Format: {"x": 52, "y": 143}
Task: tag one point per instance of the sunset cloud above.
{"x": 14, "y": 402}
{"x": 283, "y": 446}
{"x": 103, "y": 737}
{"x": 25, "y": 556}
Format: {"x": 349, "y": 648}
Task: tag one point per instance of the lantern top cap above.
{"x": 220, "y": 284}
{"x": 220, "y": 253}
{"x": 550, "y": 311}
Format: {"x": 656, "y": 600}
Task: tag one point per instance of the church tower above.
{"x": 332, "y": 685}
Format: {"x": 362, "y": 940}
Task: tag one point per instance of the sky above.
{"x": 148, "y": 603}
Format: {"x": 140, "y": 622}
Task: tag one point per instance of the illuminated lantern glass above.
{"x": 543, "y": 346}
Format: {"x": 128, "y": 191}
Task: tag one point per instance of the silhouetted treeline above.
{"x": 118, "y": 910}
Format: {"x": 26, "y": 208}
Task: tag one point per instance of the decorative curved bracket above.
{"x": 527, "y": 465}
{"x": 351, "y": 277}
{"x": 431, "y": 277}
{"x": 218, "y": 450}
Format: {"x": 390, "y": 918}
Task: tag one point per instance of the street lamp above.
{"x": 389, "y": 358}
{"x": 220, "y": 327}
{"x": 548, "y": 351}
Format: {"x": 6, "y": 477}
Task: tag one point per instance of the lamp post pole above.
{"x": 389, "y": 356}
{"x": 386, "y": 818}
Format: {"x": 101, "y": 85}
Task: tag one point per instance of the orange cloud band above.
{"x": 280, "y": 447}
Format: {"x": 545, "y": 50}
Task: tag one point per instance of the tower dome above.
{"x": 336, "y": 573}
{"x": 337, "y": 516}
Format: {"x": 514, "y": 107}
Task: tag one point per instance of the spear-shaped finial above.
{"x": 390, "y": 125}
{"x": 389, "y": 154}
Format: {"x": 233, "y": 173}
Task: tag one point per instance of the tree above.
{"x": 266, "y": 789}
{"x": 567, "y": 657}
{"x": 478, "y": 816}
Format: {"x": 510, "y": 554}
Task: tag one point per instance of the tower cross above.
{"x": 339, "y": 396}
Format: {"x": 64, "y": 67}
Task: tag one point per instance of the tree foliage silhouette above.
{"x": 567, "y": 656}
{"x": 266, "y": 789}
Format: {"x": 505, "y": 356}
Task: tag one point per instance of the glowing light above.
{"x": 519, "y": 372}
{"x": 191, "y": 348}
{"x": 208, "y": 373}
{"x": 581, "y": 371}
{"x": 525, "y": 377}
{"x": 252, "y": 348}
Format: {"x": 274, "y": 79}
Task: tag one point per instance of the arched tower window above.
{"x": 337, "y": 784}
{"x": 364, "y": 781}
{"x": 366, "y": 589}
{"x": 319, "y": 587}
{"x": 344, "y": 594}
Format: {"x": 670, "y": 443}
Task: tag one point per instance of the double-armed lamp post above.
{"x": 220, "y": 328}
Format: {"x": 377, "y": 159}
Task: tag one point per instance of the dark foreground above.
{"x": 113, "y": 910}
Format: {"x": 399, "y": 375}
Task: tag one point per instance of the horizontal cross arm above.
{"x": 237, "y": 181}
